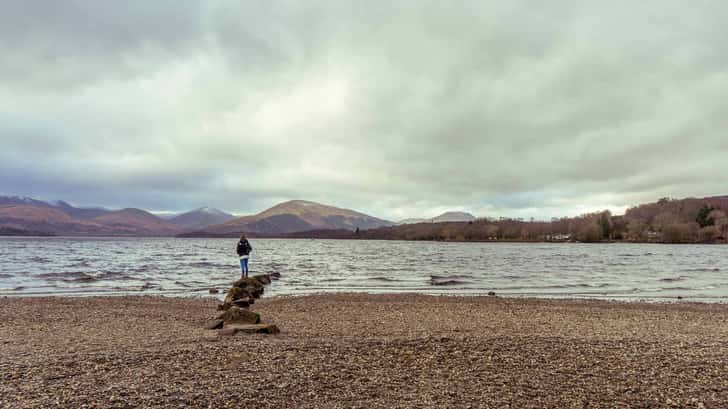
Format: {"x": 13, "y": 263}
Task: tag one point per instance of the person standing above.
{"x": 244, "y": 249}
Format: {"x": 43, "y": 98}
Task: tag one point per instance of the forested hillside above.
{"x": 667, "y": 220}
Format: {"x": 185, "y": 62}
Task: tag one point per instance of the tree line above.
{"x": 665, "y": 221}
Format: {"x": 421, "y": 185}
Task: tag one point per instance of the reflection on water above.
{"x": 183, "y": 267}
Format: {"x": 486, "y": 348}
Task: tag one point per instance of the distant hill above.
{"x": 453, "y": 217}
{"x": 21, "y": 201}
{"x": 200, "y": 218}
{"x": 296, "y": 216}
{"x": 137, "y": 222}
{"x": 446, "y": 217}
{"x": 80, "y": 212}
{"x": 23, "y": 214}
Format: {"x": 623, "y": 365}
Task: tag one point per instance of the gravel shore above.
{"x": 357, "y": 350}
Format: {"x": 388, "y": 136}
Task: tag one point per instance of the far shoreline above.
{"x": 285, "y": 237}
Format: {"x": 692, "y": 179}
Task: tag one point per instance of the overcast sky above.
{"x": 398, "y": 109}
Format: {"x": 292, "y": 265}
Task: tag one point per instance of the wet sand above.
{"x": 356, "y": 350}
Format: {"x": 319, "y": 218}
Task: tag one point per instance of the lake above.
{"x": 190, "y": 267}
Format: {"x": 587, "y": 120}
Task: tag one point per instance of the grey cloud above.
{"x": 395, "y": 108}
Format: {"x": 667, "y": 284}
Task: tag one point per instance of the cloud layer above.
{"x": 400, "y": 109}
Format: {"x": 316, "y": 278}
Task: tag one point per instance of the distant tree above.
{"x": 605, "y": 223}
{"x": 589, "y": 233}
{"x": 721, "y": 221}
{"x": 708, "y": 234}
{"x": 664, "y": 219}
{"x": 680, "y": 233}
{"x": 637, "y": 230}
{"x": 703, "y": 217}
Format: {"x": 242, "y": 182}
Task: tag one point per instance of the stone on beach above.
{"x": 243, "y": 302}
{"x": 249, "y": 329}
{"x": 214, "y": 324}
{"x": 235, "y": 315}
{"x": 263, "y": 279}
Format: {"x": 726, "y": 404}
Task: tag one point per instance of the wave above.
{"x": 387, "y": 279}
{"x": 448, "y": 277}
{"x": 149, "y": 285}
{"x": 331, "y": 280}
{"x": 672, "y": 279}
{"x": 200, "y": 264}
{"x": 5, "y": 275}
{"x": 81, "y": 278}
{"x": 84, "y": 277}
{"x": 442, "y": 281}
{"x": 703, "y": 270}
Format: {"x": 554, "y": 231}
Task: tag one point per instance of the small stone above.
{"x": 214, "y": 291}
{"x": 491, "y": 293}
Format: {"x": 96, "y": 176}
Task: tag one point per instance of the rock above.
{"x": 242, "y": 303}
{"x": 275, "y": 275}
{"x": 214, "y": 291}
{"x": 224, "y": 306}
{"x": 236, "y": 315}
{"x": 262, "y": 278}
{"x": 491, "y": 293}
{"x": 234, "y": 329}
{"x": 248, "y": 282}
{"x": 237, "y": 293}
{"x": 214, "y": 324}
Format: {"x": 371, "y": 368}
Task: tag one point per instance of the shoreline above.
{"x": 285, "y": 237}
{"x": 203, "y": 294}
{"x": 364, "y": 350}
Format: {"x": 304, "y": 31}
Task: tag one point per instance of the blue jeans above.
{"x": 244, "y": 267}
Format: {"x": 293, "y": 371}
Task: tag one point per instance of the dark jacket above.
{"x": 244, "y": 248}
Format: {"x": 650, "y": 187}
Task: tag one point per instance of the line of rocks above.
{"x": 235, "y": 316}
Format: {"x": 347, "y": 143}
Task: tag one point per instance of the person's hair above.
{"x": 242, "y": 237}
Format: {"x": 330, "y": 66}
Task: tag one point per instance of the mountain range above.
{"x": 28, "y": 216}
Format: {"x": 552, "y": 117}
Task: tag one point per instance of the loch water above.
{"x": 190, "y": 267}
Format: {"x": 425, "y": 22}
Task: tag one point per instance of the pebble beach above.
{"x": 362, "y": 350}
